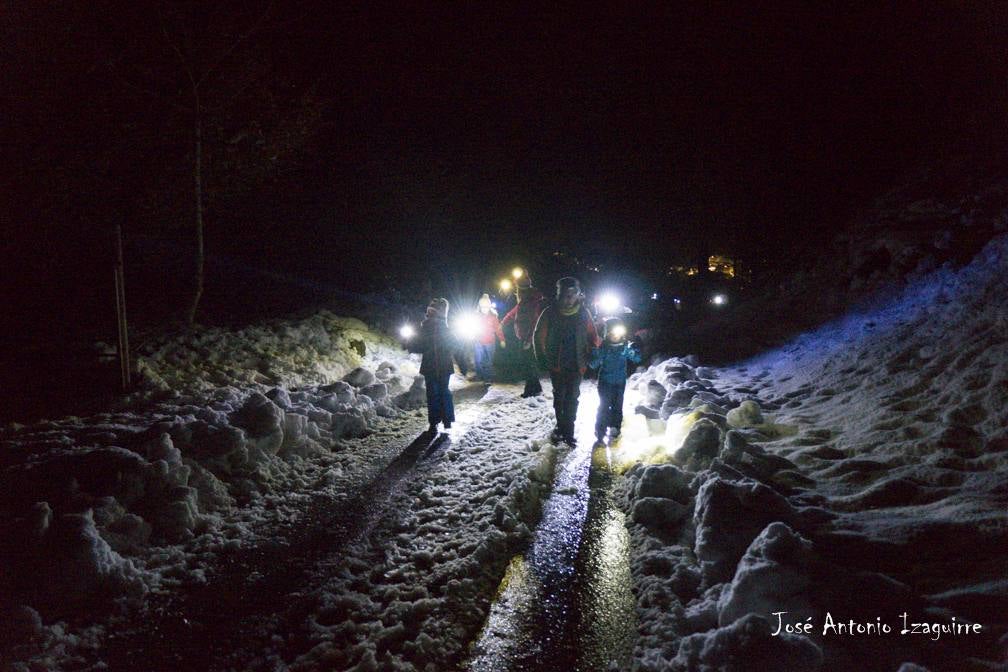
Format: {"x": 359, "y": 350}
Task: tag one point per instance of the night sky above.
{"x": 396, "y": 147}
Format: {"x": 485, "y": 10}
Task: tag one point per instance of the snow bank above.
{"x": 93, "y": 506}
{"x": 313, "y": 351}
{"x": 857, "y": 472}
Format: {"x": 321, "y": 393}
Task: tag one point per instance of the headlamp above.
{"x": 467, "y": 326}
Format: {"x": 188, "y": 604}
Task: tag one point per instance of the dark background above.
{"x": 354, "y": 151}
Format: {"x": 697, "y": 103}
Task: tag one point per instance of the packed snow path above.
{"x": 440, "y": 518}
{"x": 567, "y": 603}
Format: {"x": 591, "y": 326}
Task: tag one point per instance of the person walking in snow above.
{"x": 490, "y": 331}
{"x": 564, "y": 338}
{"x": 524, "y": 316}
{"x": 611, "y": 359}
{"x": 439, "y": 348}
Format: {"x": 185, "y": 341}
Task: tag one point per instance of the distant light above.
{"x": 719, "y": 299}
{"x": 517, "y": 272}
{"x": 654, "y": 297}
{"x": 677, "y": 301}
{"x": 407, "y": 331}
{"x": 505, "y": 285}
{"x": 467, "y": 326}
{"x": 609, "y": 303}
{"x": 619, "y": 331}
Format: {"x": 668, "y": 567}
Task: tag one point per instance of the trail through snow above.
{"x": 567, "y": 602}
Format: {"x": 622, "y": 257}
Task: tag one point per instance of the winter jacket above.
{"x": 548, "y": 339}
{"x": 525, "y": 314}
{"x": 438, "y": 346}
{"x": 490, "y": 327}
{"x": 610, "y": 359}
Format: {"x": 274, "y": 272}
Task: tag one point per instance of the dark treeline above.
{"x": 365, "y": 149}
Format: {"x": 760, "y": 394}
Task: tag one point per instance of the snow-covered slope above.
{"x": 106, "y": 508}
{"x": 866, "y": 477}
{"x": 318, "y": 349}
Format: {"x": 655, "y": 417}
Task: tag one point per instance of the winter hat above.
{"x": 438, "y": 307}
{"x": 524, "y": 282}
{"x": 485, "y": 302}
{"x": 612, "y": 323}
{"x": 563, "y": 284}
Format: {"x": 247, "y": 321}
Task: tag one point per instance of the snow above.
{"x": 103, "y": 510}
{"x": 414, "y": 592}
{"x": 859, "y": 470}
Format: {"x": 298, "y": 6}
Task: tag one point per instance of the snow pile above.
{"x": 103, "y": 509}
{"x": 857, "y": 473}
{"x": 316, "y": 350}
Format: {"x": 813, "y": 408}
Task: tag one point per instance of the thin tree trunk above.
{"x": 123, "y": 331}
{"x": 198, "y": 177}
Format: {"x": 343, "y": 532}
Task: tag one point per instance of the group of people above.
{"x": 560, "y": 336}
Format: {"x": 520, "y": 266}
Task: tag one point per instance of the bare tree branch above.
{"x": 186, "y": 65}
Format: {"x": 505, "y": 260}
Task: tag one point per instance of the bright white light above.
{"x": 619, "y": 331}
{"x": 517, "y": 272}
{"x": 407, "y": 331}
{"x": 505, "y": 285}
{"x": 654, "y": 297}
{"x": 467, "y": 326}
{"x": 609, "y": 303}
{"x": 649, "y": 441}
{"x": 677, "y": 301}
{"x": 719, "y": 299}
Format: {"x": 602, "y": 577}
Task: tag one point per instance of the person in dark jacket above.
{"x": 439, "y": 349}
{"x": 611, "y": 359}
{"x": 524, "y": 316}
{"x": 564, "y": 338}
{"x": 490, "y": 332}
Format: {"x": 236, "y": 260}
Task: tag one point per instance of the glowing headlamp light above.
{"x": 517, "y": 272}
{"x": 407, "y": 331}
{"x": 609, "y": 303}
{"x": 719, "y": 300}
{"x": 467, "y": 326}
{"x": 619, "y": 331}
{"x": 505, "y": 285}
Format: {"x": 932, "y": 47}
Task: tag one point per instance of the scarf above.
{"x": 567, "y": 312}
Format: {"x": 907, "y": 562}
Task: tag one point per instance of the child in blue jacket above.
{"x": 611, "y": 361}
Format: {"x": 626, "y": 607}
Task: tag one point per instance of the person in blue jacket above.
{"x": 611, "y": 361}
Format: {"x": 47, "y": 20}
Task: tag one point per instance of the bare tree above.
{"x": 205, "y": 74}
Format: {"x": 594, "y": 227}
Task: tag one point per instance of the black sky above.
{"x": 643, "y": 126}
{"x": 468, "y": 135}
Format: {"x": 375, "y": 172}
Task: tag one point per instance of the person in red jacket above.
{"x": 524, "y": 317}
{"x": 564, "y": 338}
{"x": 490, "y": 331}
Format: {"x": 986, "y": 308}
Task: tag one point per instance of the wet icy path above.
{"x": 567, "y": 603}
